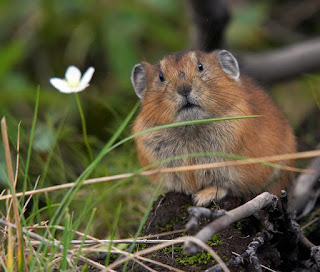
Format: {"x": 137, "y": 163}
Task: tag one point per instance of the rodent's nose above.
{"x": 184, "y": 89}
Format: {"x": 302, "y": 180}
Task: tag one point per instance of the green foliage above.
{"x": 215, "y": 241}
{"x": 245, "y": 28}
{"x": 38, "y": 40}
{"x": 186, "y": 260}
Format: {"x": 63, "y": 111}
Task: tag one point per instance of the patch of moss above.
{"x": 225, "y": 258}
{"x": 169, "y": 226}
{"x": 239, "y": 226}
{"x": 198, "y": 259}
{"x": 186, "y": 260}
{"x": 215, "y": 241}
{"x": 184, "y": 208}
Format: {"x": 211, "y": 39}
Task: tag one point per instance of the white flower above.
{"x": 73, "y": 81}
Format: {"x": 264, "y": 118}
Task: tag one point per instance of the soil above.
{"x": 170, "y": 213}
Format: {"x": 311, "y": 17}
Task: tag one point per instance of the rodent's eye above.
{"x": 200, "y": 66}
{"x": 161, "y": 77}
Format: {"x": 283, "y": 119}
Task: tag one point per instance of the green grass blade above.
{"x": 34, "y": 121}
{"x": 172, "y": 125}
{"x": 92, "y": 214}
{"x": 65, "y": 202}
{"x": 114, "y": 228}
{"x": 66, "y": 242}
{"x": 143, "y": 221}
{"x": 84, "y": 127}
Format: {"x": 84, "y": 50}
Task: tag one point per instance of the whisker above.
{"x": 228, "y": 102}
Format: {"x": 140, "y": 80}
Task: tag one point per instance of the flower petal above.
{"x": 73, "y": 76}
{"x": 79, "y": 88}
{"x": 61, "y": 85}
{"x": 87, "y": 77}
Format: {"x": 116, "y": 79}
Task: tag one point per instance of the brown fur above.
{"x": 218, "y": 95}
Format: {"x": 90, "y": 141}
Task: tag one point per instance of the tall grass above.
{"x": 59, "y": 222}
{"x": 46, "y": 252}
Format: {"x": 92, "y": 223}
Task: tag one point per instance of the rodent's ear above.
{"x": 228, "y": 63}
{"x": 139, "y": 79}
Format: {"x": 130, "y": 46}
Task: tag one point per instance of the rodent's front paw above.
{"x": 206, "y": 196}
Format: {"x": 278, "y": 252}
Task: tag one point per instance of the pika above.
{"x": 194, "y": 85}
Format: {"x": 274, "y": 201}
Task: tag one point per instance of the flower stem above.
{"x": 84, "y": 128}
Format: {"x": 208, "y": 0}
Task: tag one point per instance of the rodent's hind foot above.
{"x": 206, "y": 196}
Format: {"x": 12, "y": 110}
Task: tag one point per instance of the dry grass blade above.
{"x": 293, "y": 156}
{"x": 118, "y": 251}
{"x": 310, "y": 223}
{"x": 50, "y": 243}
{"x": 145, "y": 266}
{"x": 104, "y": 242}
{"x": 162, "y": 234}
{"x": 29, "y": 198}
{"x": 283, "y": 157}
{"x": 18, "y": 156}
{"x": 16, "y": 213}
{"x": 172, "y": 242}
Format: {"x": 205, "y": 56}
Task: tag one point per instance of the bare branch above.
{"x": 261, "y": 201}
{"x": 199, "y": 212}
{"x": 172, "y": 242}
{"x": 283, "y": 63}
{"x": 306, "y": 189}
{"x": 250, "y": 253}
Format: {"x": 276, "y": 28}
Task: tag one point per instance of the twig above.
{"x": 259, "y": 202}
{"x": 299, "y": 155}
{"x": 284, "y": 63}
{"x": 196, "y": 213}
{"x": 250, "y": 253}
{"x": 29, "y": 198}
{"x": 263, "y": 266}
{"x": 172, "y": 242}
{"x": 310, "y": 223}
{"x": 306, "y": 189}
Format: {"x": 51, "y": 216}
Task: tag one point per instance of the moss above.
{"x": 239, "y": 226}
{"x": 141, "y": 247}
{"x": 215, "y": 241}
{"x": 186, "y": 260}
{"x": 169, "y": 226}
{"x": 184, "y": 208}
{"x": 225, "y": 258}
{"x": 198, "y": 259}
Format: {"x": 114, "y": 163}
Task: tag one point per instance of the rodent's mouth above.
{"x": 188, "y": 106}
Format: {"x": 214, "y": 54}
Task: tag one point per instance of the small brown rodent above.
{"x": 194, "y": 85}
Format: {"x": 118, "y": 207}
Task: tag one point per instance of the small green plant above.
{"x": 239, "y": 226}
{"x": 215, "y": 241}
{"x": 186, "y": 260}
